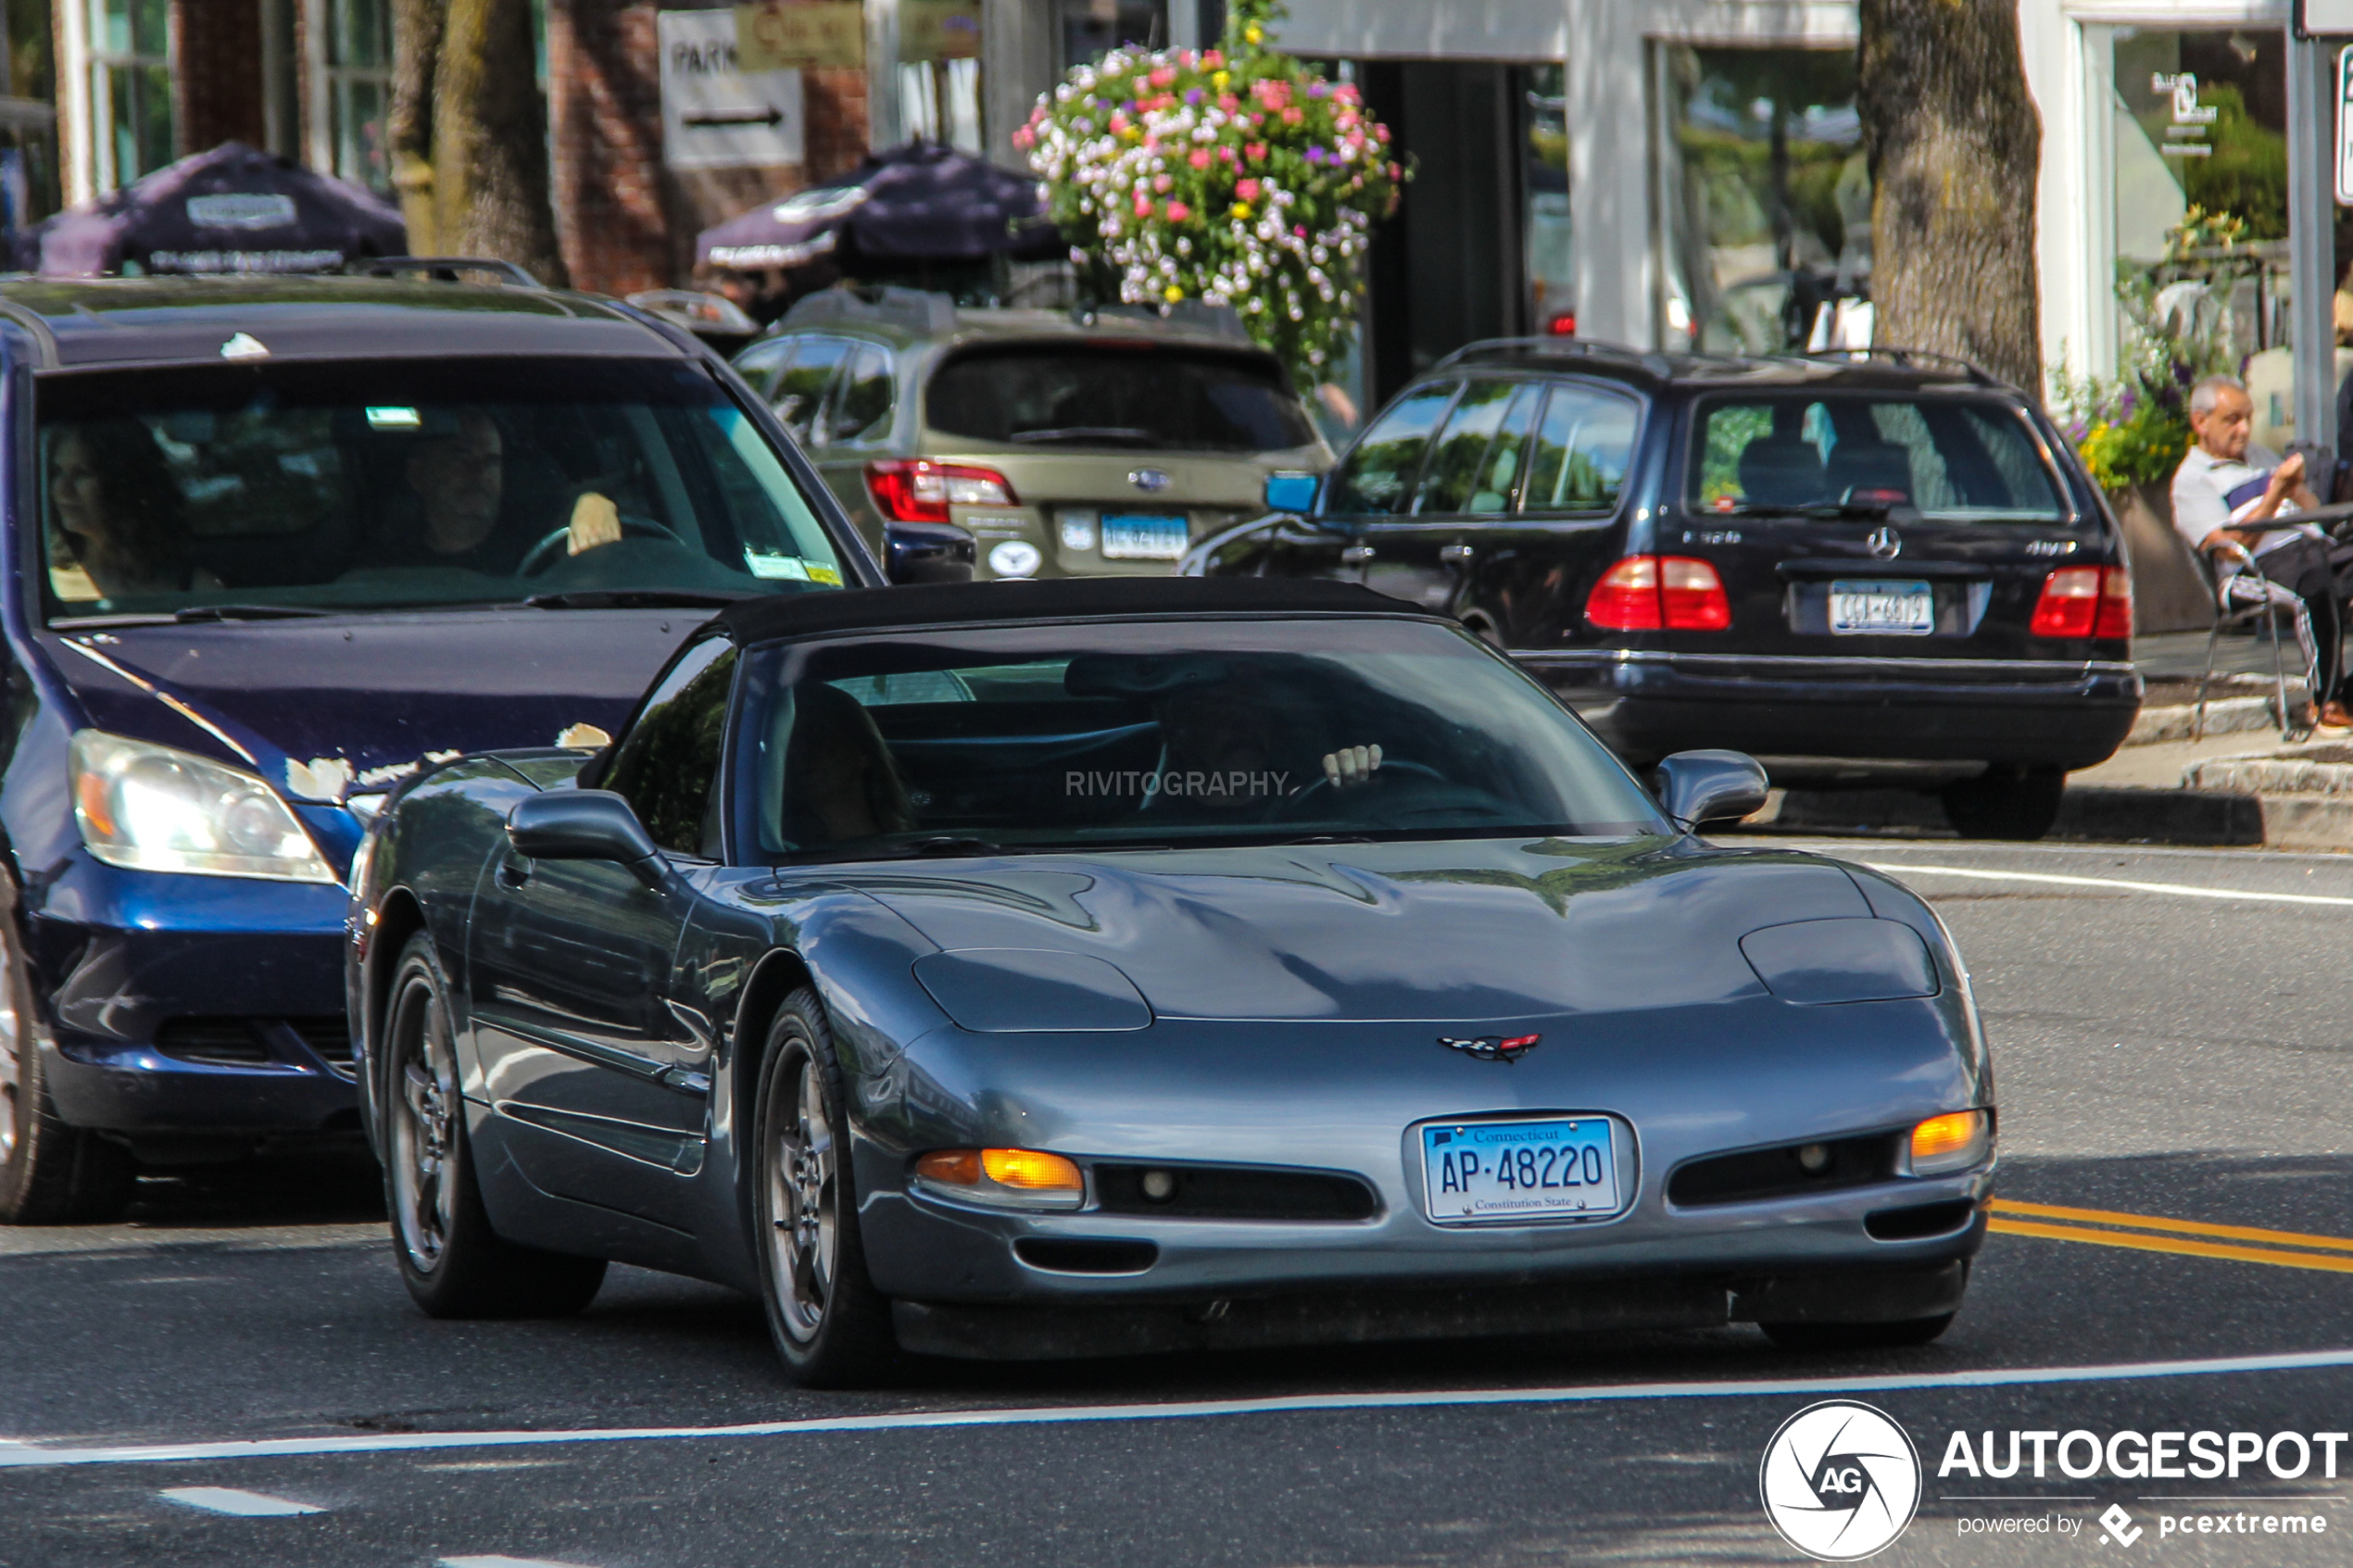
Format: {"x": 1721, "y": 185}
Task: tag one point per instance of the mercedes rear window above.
{"x": 1148, "y": 396}
{"x": 1945, "y": 459}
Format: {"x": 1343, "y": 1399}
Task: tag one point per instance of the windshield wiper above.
{"x": 639, "y": 598}
{"x": 1119, "y": 435}
{"x": 247, "y": 612}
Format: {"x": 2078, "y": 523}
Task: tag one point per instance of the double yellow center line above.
{"x": 2101, "y": 1228}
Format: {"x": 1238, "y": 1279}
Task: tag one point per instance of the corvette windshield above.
{"x": 238, "y": 490}
{"x": 1166, "y": 735}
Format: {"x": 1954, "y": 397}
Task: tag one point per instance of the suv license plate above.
{"x": 1558, "y": 1168}
{"x": 1905, "y": 609}
{"x": 1129, "y": 537}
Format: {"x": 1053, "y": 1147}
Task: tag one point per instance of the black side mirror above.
{"x": 1700, "y": 787}
{"x": 927, "y": 552}
{"x": 582, "y": 824}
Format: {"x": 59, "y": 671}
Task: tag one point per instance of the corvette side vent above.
{"x": 213, "y": 1041}
{"x": 1786, "y": 1172}
{"x": 1233, "y": 1192}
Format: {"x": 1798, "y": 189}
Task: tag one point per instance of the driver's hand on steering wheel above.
{"x": 1351, "y": 765}
{"x": 595, "y": 521}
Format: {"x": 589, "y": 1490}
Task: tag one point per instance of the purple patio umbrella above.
{"x": 233, "y": 209}
{"x": 922, "y": 202}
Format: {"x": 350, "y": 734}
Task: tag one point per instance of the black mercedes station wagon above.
{"x": 1881, "y": 567}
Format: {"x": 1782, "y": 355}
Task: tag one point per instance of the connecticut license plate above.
{"x": 1550, "y": 1169}
{"x": 1903, "y": 610}
{"x": 1127, "y": 536}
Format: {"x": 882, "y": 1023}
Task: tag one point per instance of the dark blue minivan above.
{"x": 271, "y": 546}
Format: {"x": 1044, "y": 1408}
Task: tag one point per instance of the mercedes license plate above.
{"x": 1130, "y": 537}
{"x": 1560, "y": 1167}
{"x": 1903, "y": 610}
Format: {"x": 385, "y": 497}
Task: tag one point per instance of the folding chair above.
{"x": 2243, "y": 596}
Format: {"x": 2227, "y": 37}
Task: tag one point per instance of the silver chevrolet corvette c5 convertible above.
{"x": 1087, "y": 968}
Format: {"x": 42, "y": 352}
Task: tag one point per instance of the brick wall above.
{"x": 219, "y": 84}
{"x": 623, "y": 221}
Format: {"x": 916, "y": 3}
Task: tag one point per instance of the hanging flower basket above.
{"x": 1235, "y": 176}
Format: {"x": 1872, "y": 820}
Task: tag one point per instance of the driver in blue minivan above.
{"x": 291, "y": 541}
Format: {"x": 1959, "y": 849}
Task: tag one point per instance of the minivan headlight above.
{"x": 148, "y": 807}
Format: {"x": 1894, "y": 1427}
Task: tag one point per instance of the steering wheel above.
{"x": 545, "y": 554}
{"x": 1386, "y": 774}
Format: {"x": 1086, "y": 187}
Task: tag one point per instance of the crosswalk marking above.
{"x": 228, "y": 1499}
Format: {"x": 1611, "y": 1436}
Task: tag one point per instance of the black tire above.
{"x": 1857, "y": 1335}
{"x": 50, "y": 1174}
{"x": 831, "y": 1327}
{"x": 453, "y": 1262}
{"x": 2017, "y": 803}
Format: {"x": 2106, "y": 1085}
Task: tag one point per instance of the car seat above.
{"x": 1865, "y": 464}
{"x": 1781, "y": 471}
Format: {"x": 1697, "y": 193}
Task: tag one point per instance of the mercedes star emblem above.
{"x": 1886, "y": 543}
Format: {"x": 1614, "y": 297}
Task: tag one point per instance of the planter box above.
{"x": 2168, "y": 591}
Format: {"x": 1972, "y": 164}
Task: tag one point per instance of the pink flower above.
{"x": 1257, "y": 151}
{"x": 1143, "y": 205}
{"x": 1246, "y": 188}
{"x": 1212, "y": 59}
{"x": 1300, "y": 229}
{"x": 1162, "y": 182}
{"x": 1163, "y": 76}
{"x": 1024, "y": 137}
{"x": 1199, "y": 159}
{"x": 1178, "y": 212}
{"x": 1292, "y": 117}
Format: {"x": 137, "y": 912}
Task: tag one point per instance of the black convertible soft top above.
{"x": 851, "y": 609}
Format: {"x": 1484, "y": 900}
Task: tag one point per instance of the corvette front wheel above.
{"x": 453, "y": 1262}
{"x": 830, "y": 1325}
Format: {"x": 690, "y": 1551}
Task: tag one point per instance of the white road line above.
{"x": 245, "y": 1505}
{"x": 30, "y": 1456}
{"x": 2173, "y": 889}
{"x": 503, "y": 1563}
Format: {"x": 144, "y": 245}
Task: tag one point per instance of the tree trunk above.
{"x": 470, "y": 133}
{"x": 416, "y": 46}
{"x": 1954, "y": 143}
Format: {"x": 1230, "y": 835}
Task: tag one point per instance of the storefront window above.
{"x": 1091, "y": 29}
{"x": 2200, "y": 124}
{"x": 359, "y": 88}
{"x": 1551, "y": 302}
{"x": 1763, "y": 194}
{"x": 130, "y": 88}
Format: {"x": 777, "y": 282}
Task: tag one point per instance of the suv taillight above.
{"x": 1659, "y": 593}
{"x": 917, "y": 490}
{"x": 2084, "y": 601}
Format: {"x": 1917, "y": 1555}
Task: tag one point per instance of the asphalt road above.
{"x": 2176, "y": 1084}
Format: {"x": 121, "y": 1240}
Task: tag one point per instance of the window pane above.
{"x": 1581, "y": 449}
{"x": 1946, "y": 459}
{"x": 801, "y": 389}
{"x": 151, "y": 27}
{"x": 1148, "y": 396}
{"x": 1454, "y": 462}
{"x": 760, "y": 365}
{"x": 865, "y": 394}
{"x": 1380, "y": 466}
{"x": 154, "y": 118}
{"x": 359, "y": 134}
{"x": 361, "y": 34}
{"x": 667, "y": 763}
{"x": 1491, "y": 491}
{"x": 110, "y": 26}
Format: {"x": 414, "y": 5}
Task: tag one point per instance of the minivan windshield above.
{"x": 384, "y": 484}
{"x": 1950, "y": 460}
{"x": 1160, "y": 735}
{"x": 1145, "y": 395}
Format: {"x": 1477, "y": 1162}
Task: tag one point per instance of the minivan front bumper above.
{"x": 1647, "y": 705}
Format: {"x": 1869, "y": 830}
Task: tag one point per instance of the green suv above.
{"x": 1030, "y": 443}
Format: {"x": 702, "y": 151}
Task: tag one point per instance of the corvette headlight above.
{"x": 1955, "y": 1141}
{"x": 148, "y": 807}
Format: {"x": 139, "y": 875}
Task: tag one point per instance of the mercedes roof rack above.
{"x": 1910, "y": 359}
{"x": 1584, "y": 347}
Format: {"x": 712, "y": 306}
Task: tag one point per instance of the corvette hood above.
{"x": 325, "y": 706}
{"x": 1462, "y": 932}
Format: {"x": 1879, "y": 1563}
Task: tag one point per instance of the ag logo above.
{"x": 1840, "y": 1480}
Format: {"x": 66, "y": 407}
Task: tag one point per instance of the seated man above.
{"x": 458, "y": 480}
{"x": 2226, "y": 492}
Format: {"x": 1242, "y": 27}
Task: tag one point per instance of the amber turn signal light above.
{"x": 1952, "y": 1142}
{"x": 1019, "y": 1177}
